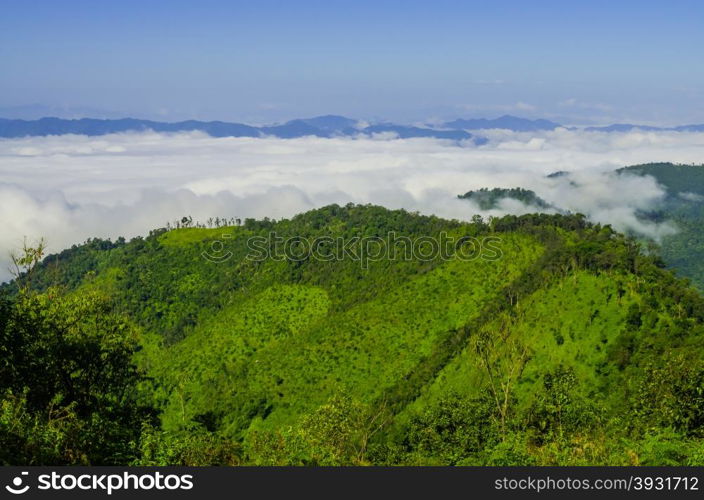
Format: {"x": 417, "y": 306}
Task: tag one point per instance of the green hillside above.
{"x": 684, "y": 207}
{"x": 539, "y": 339}
{"x": 677, "y": 178}
{"x": 488, "y": 199}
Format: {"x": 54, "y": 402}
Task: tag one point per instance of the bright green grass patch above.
{"x": 105, "y": 281}
{"x": 201, "y": 374}
{"x": 187, "y": 236}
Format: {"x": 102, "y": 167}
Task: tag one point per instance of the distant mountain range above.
{"x": 503, "y": 122}
{"x": 319, "y": 126}
{"x": 627, "y": 127}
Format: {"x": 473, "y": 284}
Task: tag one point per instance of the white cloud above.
{"x": 70, "y": 188}
{"x": 692, "y": 197}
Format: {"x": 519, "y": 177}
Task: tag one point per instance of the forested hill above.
{"x": 539, "y": 339}
{"x": 488, "y": 199}
{"x": 675, "y": 177}
{"x": 684, "y": 207}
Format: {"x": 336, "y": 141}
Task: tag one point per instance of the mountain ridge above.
{"x": 508, "y": 122}
{"x": 324, "y": 126}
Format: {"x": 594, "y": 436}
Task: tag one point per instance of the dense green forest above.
{"x": 684, "y": 207}
{"x": 565, "y": 344}
{"x": 488, "y": 199}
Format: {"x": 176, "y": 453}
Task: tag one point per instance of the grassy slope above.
{"x": 282, "y": 352}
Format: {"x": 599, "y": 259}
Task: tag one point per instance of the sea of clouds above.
{"x": 70, "y": 188}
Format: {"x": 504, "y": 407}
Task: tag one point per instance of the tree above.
{"x": 503, "y": 358}
{"x": 25, "y": 260}
{"x": 453, "y": 429}
{"x": 68, "y": 386}
{"x": 339, "y": 431}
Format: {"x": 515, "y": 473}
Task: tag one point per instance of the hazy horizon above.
{"x": 408, "y": 62}
{"x": 38, "y": 111}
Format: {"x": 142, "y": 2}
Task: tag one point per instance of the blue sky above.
{"x": 262, "y": 61}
